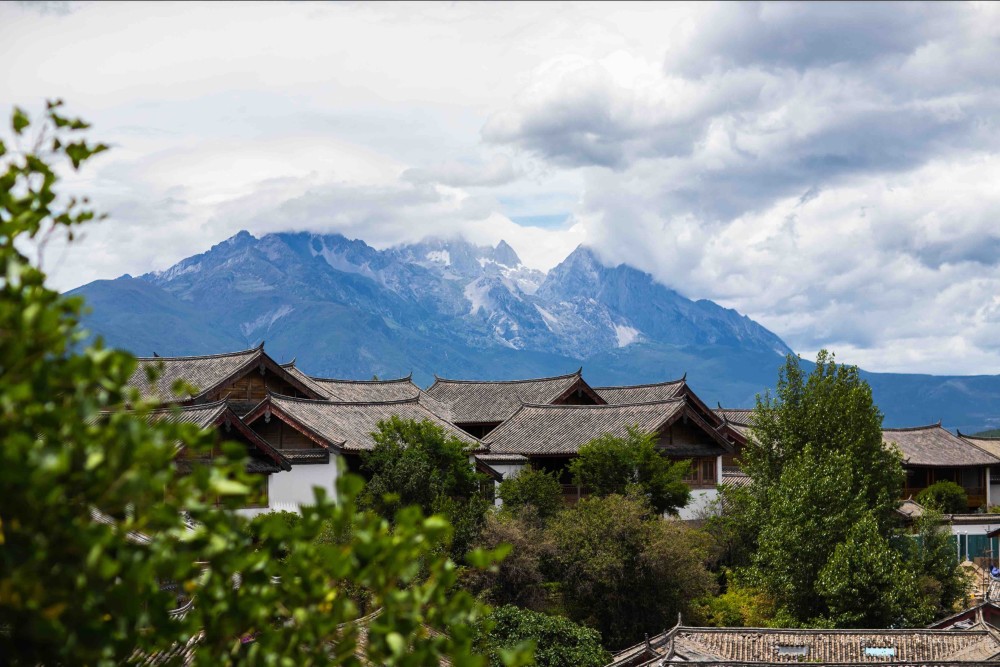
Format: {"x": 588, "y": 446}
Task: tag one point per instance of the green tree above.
{"x": 532, "y": 488}
{"x": 609, "y": 464}
{"x": 558, "y": 641}
{"x": 945, "y": 496}
{"x": 865, "y": 584}
{"x": 417, "y": 463}
{"x": 943, "y": 583}
{"x": 91, "y": 519}
{"x": 818, "y": 468}
{"x": 624, "y": 569}
{"x": 519, "y": 578}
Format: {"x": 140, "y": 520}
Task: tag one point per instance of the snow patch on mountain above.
{"x": 439, "y": 257}
{"x": 626, "y": 335}
{"x": 339, "y": 262}
{"x": 478, "y": 294}
{"x": 547, "y": 317}
{"x": 266, "y": 320}
{"x": 178, "y": 270}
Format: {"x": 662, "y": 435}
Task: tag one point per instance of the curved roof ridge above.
{"x": 640, "y": 386}
{"x": 913, "y": 428}
{"x": 222, "y": 355}
{"x": 609, "y": 406}
{"x": 407, "y": 378}
{"x": 576, "y": 373}
{"x": 966, "y": 436}
{"x": 318, "y": 401}
{"x": 191, "y": 408}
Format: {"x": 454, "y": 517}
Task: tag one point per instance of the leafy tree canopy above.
{"x": 91, "y": 522}
{"x": 520, "y": 578}
{"x": 418, "y": 463}
{"x": 558, "y": 641}
{"x": 944, "y": 496}
{"x": 531, "y": 489}
{"x": 624, "y": 569}
{"x": 610, "y": 465}
{"x": 816, "y": 526}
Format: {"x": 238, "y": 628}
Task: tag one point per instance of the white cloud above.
{"x": 827, "y": 169}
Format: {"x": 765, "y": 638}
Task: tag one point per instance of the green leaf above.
{"x": 20, "y": 120}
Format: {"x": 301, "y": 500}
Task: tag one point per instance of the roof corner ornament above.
{"x": 685, "y": 377}
{"x": 579, "y": 371}
{"x": 261, "y": 346}
{"x": 155, "y": 354}
{"x": 291, "y": 363}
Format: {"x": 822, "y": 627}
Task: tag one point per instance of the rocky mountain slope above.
{"x": 346, "y": 309}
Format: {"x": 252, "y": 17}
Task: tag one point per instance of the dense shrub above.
{"x": 608, "y": 465}
{"x": 558, "y": 641}
{"x": 532, "y": 488}
{"x": 945, "y": 496}
{"x": 519, "y": 578}
{"x": 626, "y": 570}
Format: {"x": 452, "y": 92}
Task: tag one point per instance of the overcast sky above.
{"x": 832, "y": 171}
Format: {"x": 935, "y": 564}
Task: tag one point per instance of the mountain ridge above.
{"x": 449, "y": 307}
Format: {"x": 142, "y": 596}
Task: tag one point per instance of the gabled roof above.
{"x": 747, "y": 646}
{"x": 263, "y": 457}
{"x": 349, "y": 425}
{"x": 562, "y": 429}
{"x": 934, "y": 446}
{"x": 989, "y": 444}
{"x": 360, "y": 391}
{"x": 206, "y": 373}
{"x": 641, "y": 393}
{"x": 660, "y": 391}
{"x": 475, "y": 401}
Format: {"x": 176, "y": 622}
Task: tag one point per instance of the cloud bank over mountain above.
{"x": 828, "y": 169}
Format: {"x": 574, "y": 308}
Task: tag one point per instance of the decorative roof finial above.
{"x": 155, "y": 354}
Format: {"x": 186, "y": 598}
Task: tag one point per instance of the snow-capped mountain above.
{"x": 452, "y": 308}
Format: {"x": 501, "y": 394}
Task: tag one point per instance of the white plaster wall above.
{"x": 974, "y": 528}
{"x": 289, "y": 489}
{"x": 295, "y": 487}
{"x": 507, "y": 470}
{"x": 697, "y": 507}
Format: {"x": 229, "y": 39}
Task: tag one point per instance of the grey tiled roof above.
{"x": 737, "y": 418}
{"x": 486, "y": 402}
{"x": 490, "y": 457}
{"x": 734, "y": 477}
{"x": 747, "y": 646}
{"x": 641, "y": 393}
{"x": 935, "y": 446}
{"x": 562, "y": 429}
{"x": 204, "y": 373}
{"x": 359, "y": 391}
{"x": 349, "y": 425}
{"x": 988, "y": 444}
{"x": 294, "y": 371}
{"x": 205, "y": 415}
{"x": 263, "y": 456}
